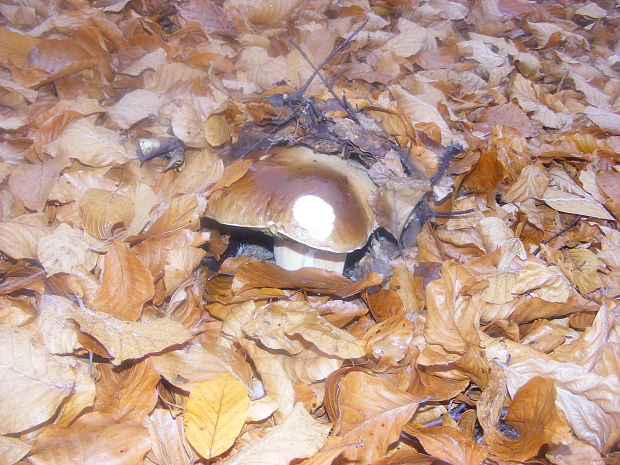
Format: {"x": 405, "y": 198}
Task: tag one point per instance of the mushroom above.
{"x": 314, "y": 205}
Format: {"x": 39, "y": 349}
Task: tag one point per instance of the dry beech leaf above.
{"x": 65, "y": 249}
{"x": 546, "y": 282}
{"x": 39, "y": 380}
{"x": 389, "y": 341}
{"x": 453, "y": 319}
{"x": 104, "y": 213}
{"x": 533, "y": 414}
{"x": 135, "y": 106}
{"x": 277, "y": 382}
{"x": 449, "y": 443}
{"x": 305, "y": 322}
{"x": 577, "y": 205}
{"x": 373, "y": 411}
{"x": 215, "y": 413}
{"x": 58, "y": 332}
{"x": 124, "y": 340}
{"x": 15, "y": 46}
{"x": 585, "y": 276}
{"x": 586, "y": 398}
{"x": 129, "y": 394}
{"x": 153, "y": 253}
{"x": 125, "y": 285}
{"x": 167, "y": 439}
{"x": 11, "y": 450}
{"x": 18, "y": 239}
{"x": 188, "y": 367}
{"x": 181, "y": 213}
{"x": 91, "y": 145}
{"x": 259, "y": 274}
{"x": 532, "y": 182}
{"x": 93, "y": 439}
{"x": 31, "y": 184}
{"x": 217, "y": 130}
{"x": 81, "y": 398}
{"x": 297, "y": 437}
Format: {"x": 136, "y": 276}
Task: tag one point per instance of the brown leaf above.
{"x": 127, "y": 395}
{"x": 371, "y": 410}
{"x": 486, "y": 174}
{"x": 450, "y": 444}
{"x": 93, "y": 439}
{"x": 259, "y": 274}
{"x": 31, "y": 184}
{"x": 453, "y": 319}
{"x": 533, "y": 414}
{"x": 125, "y": 286}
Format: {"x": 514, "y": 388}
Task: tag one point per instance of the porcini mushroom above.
{"x": 314, "y": 205}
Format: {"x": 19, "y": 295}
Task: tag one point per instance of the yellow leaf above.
{"x": 216, "y": 411}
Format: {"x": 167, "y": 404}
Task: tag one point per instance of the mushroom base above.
{"x": 294, "y": 255}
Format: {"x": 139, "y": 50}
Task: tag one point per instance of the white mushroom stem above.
{"x": 295, "y": 255}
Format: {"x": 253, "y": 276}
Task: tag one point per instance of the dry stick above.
{"x": 317, "y": 69}
{"x": 557, "y": 234}
{"x": 316, "y": 72}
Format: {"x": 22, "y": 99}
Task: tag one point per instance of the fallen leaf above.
{"x": 105, "y": 214}
{"x": 125, "y": 285}
{"x": 93, "y": 439}
{"x": 258, "y": 274}
{"x": 533, "y": 414}
{"x": 274, "y": 448}
{"x": 41, "y": 381}
{"x": 215, "y": 413}
{"x": 378, "y": 422}
{"x": 125, "y": 340}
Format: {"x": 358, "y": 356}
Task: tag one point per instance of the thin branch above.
{"x": 557, "y": 234}
{"x": 317, "y": 69}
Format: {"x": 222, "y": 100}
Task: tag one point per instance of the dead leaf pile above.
{"x": 492, "y": 336}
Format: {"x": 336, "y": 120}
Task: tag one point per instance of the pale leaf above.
{"x": 40, "y": 381}
{"x": 11, "y": 450}
{"x": 606, "y": 120}
{"x": 167, "y": 439}
{"x": 298, "y": 436}
{"x": 571, "y": 203}
{"x": 60, "y": 335}
{"x": 135, "y": 106}
{"x": 188, "y": 367}
{"x": 587, "y": 399}
{"x": 19, "y": 237}
{"x": 65, "y": 249}
{"x": 532, "y": 182}
{"x": 126, "y": 340}
{"x": 90, "y": 144}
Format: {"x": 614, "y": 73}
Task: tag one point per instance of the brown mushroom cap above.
{"x": 316, "y": 199}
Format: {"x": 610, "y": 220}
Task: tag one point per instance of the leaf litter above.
{"x": 479, "y": 325}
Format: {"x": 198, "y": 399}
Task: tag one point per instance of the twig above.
{"x": 557, "y": 234}
{"x": 317, "y": 69}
